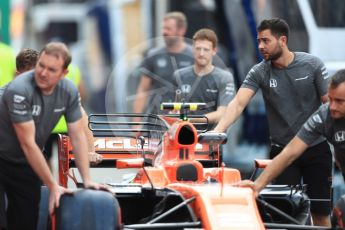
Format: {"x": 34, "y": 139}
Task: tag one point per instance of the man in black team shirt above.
{"x": 26, "y": 60}
{"x": 294, "y": 85}
{"x": 204, "y": 82}
{"x": 29, "y": 109}
{"x": 327, "y": 122}
{"x": 157, "y": 69}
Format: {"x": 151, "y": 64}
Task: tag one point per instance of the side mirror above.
{"x": 212, "y": 138}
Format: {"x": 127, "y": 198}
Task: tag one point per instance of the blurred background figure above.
{"x": 26, "y": 60}
{"x": 156, "y": 80}
{"x": 7, "y": 64}
{"x": 203, "y": 82}
{"x": 74, "y": 74}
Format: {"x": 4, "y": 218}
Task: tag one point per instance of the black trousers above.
{"x": 22, "y": 187}
{"x": 314, "y": 166}
{"x": 2, "y": 208}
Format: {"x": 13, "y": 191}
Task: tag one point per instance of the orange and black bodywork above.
{"x": 178, "y": 154}
{"x": 172, "y": 187}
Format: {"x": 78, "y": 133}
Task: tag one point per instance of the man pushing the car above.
{"x": 328, "y": 121}
{"x": 29, "y": 109}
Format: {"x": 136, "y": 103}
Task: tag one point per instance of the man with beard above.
{"x": 294, "y": 84}
{"x": 328, "y": 122}
{"x": 158, "y": 67}
{"x": 204, "y": 82}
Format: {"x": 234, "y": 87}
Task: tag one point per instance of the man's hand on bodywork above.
{"x": 95, "y": 158}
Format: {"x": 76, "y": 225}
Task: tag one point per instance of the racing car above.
{"x": 177, "y": 180}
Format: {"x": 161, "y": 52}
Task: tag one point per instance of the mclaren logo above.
{"x": 58, "y": 110}
{"x": 339, "y": 136}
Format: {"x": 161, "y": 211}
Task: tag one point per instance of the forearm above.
{"x": 138, "y": 106}
{"x": 139, "y": 103}
{"x": 289, "y": 154}
{"x": 80, "y": 151}
{"x": 88, "y": 133}
{"x": 232, "y": 112}
{"x": 90, "y": 140}
{"x": 274, "y": 169}
{"x": 25, "y": 132}
{"x": 141, "y": 96}
{"x": 213, "y": 117}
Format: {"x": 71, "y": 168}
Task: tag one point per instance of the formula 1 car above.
{"x": 179, "y": 180}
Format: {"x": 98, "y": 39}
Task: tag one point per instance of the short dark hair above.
{"x": 58, "y": 49}
{"x": 337, "y": 79}
{"x": 278, "y": 27}
{"x": 26, "y": 59}
{"x": 206, "y": 34}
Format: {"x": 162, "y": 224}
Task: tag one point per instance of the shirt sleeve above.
{"x": 73, "y": 111}
{"x": 253, "y": 79}
{"x": 146, "y": 67}
{"x": 321, "y": 78}
{"x": 312, "y": 128}
{"x": 18, "y": 106}
{"x": 226, "y": 89}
